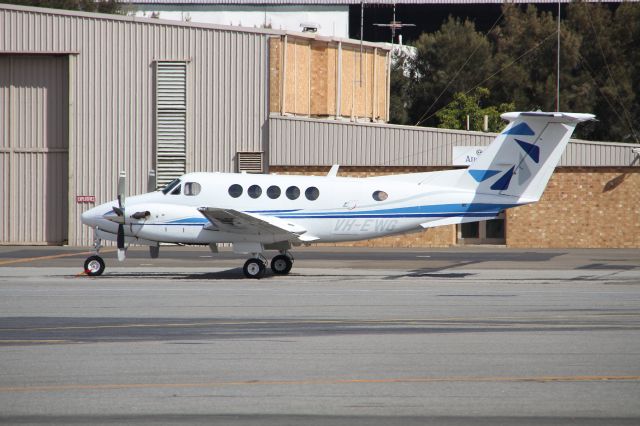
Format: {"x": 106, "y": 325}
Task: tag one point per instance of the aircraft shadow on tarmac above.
{"x": 453, "y": 260}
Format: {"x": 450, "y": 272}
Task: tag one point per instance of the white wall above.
{"x": 333, "y": 20}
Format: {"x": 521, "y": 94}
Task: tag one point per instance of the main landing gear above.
{"x": 280, "y": 265}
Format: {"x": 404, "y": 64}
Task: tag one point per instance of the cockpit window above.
{"x": 176, "y": 191}
{"x": 170, "y": 186}
{"x": 192, "y": 188}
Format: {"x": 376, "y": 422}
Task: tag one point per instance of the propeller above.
{"x": 154, "y": 251}
{"x": 120, "y": 211}
{"x": 121, "y": 216}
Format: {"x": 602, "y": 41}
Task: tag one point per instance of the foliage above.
{"x": 446, "y": 62}
{"x": 516, "y": 63}
{"x": 454, "y": 115}
{"x": 399, "y": 101}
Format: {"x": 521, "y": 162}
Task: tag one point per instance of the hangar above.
{"x": 84, "y": 96}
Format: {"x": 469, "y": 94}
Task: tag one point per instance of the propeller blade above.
{"x": 121, "y": 249}
{"x": 121, "y": 188}
{"x": 151, "y": 181}
{"x": 121, "y": 236}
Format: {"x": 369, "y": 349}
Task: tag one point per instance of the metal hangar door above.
{"x": 34, "y": 122}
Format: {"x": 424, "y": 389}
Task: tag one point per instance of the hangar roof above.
{"x": 348, "y": 2}
{"x": 136, "y": 19}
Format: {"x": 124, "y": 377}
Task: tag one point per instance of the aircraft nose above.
{"x": 92, "y": 216}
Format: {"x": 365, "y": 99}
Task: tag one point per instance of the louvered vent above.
{"x": 171, "y": 117}
{"x": 250, "y": 162}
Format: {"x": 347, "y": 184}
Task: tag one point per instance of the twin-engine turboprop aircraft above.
{"x": 275, "y": 212}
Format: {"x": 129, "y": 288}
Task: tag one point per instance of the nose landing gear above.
{"x": 94, "y": 265}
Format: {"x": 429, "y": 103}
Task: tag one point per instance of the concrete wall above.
{"x": 581, "y": 208}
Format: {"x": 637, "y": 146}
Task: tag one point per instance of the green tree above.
{"x": 451, "y": 60}
{"x": 399, "y": 87}
{"x": 608, "y": 63}
{"x": 454, "y": 115}
{"x": 102, "y": 6}
{"x": 526, "y": 53}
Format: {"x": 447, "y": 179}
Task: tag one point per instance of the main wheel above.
{"x": 281, "y": 264}
{"x": 94, "y": 266}
{"x": 253, "y": 268}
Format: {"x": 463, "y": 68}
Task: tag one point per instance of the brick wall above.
{"x": 581, "y": 208}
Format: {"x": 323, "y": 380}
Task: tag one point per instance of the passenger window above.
{"x": 380, "y": 196}
{"x": 254, "y": 191}
{"x": 273, "y": 192}
{"x": 177, "y": 190}
{"x": 312, "y": 193}
{"x": 235, "y": 190}
{"x": 293, "y": 192}
{"x": 192, "y": 188}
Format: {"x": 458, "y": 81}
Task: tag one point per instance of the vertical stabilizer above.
{"x": 520, "y": 161}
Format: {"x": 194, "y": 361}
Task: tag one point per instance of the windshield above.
{"x": 170, "y": 186}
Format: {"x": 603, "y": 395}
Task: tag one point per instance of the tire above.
{"x": 94, "y": 266}
{"x": 281, "y": 264}
{"x": 253, "y": 268}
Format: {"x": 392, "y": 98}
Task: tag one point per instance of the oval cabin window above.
{"x": 254, "y": 191}
{"x": 312, "y": 193}
{"x": 380, "y": 196}
{"x": 235, "y": 190}
{"x": 293, "y": 192}
{"x": 273, "y": 192}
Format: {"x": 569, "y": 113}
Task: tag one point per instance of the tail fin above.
{"x": 520, "y": 161}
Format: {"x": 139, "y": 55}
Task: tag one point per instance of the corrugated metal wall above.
{"x": 111, "y": 93}
{"x": 33, "y": 149}
{"x": 306, "y": 142}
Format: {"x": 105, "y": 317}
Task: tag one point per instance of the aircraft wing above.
{"x": 234, "y": 221}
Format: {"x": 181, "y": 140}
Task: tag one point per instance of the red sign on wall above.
{"x": 85, "y": 199}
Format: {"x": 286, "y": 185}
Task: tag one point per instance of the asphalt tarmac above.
{"x": 352, "y": 336}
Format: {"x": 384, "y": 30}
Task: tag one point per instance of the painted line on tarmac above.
{"x": 35, "y": 259}
{"x": 498, "y": 321}
{"x": 488, "y": 379}
{"x": 42, "y": 341}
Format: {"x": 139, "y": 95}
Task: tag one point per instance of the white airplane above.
{"x": 257, "y": 212}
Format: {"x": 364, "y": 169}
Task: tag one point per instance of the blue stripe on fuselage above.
{"x": 441, "y": 210}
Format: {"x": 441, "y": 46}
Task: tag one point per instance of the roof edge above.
{"x": 136, "y": 19}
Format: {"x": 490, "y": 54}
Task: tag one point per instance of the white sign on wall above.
{"x": 466, "y": 155}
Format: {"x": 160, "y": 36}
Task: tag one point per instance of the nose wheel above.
{"x": 94, "y": 266}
